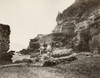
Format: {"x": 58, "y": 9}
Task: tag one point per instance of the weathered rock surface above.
{"x": 78, "y": 27}
{"x": 82, "y": 22}
{"x": 4, "y": 38}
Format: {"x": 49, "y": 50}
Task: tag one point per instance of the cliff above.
{"x": 78, "y": 27}
{"x": 4, "y": 38}
{"x": 81, "y": 21}
{"x": 80, "y": 11}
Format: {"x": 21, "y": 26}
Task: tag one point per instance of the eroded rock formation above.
{"x": 81, "y": 21}
{"x": 4, "y": 38}
{"x": 80, "y": 26}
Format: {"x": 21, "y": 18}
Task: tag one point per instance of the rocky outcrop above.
{"x": 81, "y": 22}
{"x": 95, "y": 36}
{"x": 4, "y": 38}
{"x": 58, "y": 38}
{"x": 35, "y": 42}
{"x": 78, "y": 27}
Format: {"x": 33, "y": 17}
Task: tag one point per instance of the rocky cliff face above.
{"x": 81, "y": 21}
{"x": 4, "y": 38}
{"x": 80, "y": 26}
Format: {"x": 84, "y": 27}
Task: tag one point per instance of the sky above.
{"x": 27, "y": 18}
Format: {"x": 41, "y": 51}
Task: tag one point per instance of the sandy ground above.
{"x": 29, "y": 72}
{"x": 84, "y": 67}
